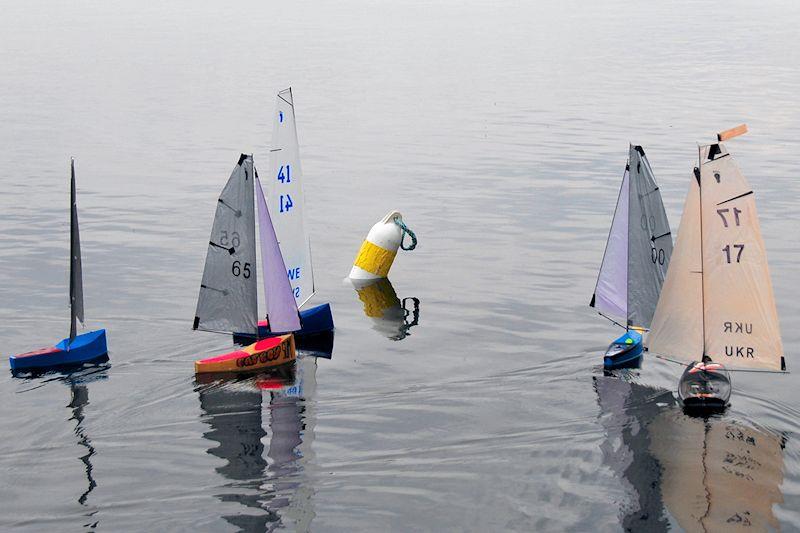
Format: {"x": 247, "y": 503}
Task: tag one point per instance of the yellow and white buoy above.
{"x": 379, "y": 249}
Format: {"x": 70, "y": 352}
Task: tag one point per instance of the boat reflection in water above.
{"x": 391, "y": 316}
{"x": 708, "y": 473}
{"x": 270, "y": 486}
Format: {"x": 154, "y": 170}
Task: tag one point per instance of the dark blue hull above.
{"x": 316, "y": 324}
{"x": 85, "y": 348}
{"x": 624, "y": 352}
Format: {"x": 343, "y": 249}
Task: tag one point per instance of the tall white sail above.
{"x": 286, "y": 200}
{"x": 611, "y": 292}
{"x": 228, "y": 298}
{"x": 278, "y": 294}
{"x": 649, "y": 240}
{"x": 677, "y": 327}
{"x": 741, "y": 320}
{"x": 75, "y": 270}
{"x": 717, "y": 299}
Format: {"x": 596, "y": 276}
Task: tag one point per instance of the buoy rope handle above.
{"x": 404, "y": 228}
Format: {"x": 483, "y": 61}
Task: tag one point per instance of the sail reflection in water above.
{"x": 270, "y": 486}
{"x": 391, "y": 316}
{"x": 710, "y": 474}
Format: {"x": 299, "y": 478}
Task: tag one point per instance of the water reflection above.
{"x": 391, "y": 316}
{"x": 270, "y": 487}
{"x": 709, "y": 473}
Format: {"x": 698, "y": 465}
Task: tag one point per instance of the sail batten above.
{"x": 75, "y": 269}
{"x": 228, "y": 300}
{"x": 287, "y": 201}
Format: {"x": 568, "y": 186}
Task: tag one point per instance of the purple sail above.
{"x": 281, "y": 305}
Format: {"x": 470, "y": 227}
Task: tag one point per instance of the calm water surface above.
{"x": 500, "y": 130}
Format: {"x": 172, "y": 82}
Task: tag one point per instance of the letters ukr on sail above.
{"x": 718, "y": 299}
{"x": 286, "y": 199}
{"x": 228, "y": 300}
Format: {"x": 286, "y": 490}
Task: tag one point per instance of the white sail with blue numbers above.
{"x": 286, "y": 201}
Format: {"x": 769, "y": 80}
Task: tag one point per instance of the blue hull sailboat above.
{"x": 75, "y": 349}
{"x": 635, "y": 261}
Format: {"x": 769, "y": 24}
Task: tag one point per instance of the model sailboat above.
{"x": 75, "y": 349}
{"x": 717, "y": 303}
{"x": 287, "y": 206}
{"x": 635, "y": 261}
{"x": 228, "y": 300}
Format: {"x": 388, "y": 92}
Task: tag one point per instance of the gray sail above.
{"x": 75, "y": 272}
{"x": 649, "y": 241}
{"x": 228, "y": 298}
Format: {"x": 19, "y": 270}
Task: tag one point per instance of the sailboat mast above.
{"x": 72, "y": 253}
{"x": 628, "y": 248}
{"x": 697, "y": 174}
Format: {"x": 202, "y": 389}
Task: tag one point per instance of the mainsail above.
{"x": 734, "y": 298}
{"x": 649, "y": 241}
{"x": 278, "y": 294}
{"x": 638, "y": 249}
{"x": 287, "y": 204}
{"x": 228, "y": 298}
{"x": 75, "y": 271}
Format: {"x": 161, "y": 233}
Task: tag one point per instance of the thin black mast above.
{"x": 698, "y": 173}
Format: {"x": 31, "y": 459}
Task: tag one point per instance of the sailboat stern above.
{"x": 626, "y": 351}
{"x": 88, "y": 347}
{"x": 267, "y": 353}
{"x": 705, "y": 386}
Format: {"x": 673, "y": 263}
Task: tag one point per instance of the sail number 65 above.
{"x": 238, "y": 270}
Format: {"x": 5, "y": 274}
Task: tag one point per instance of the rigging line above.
{"x": 285, "y": 100}
{"x": 735, "y": 198}
{"x": 230, "y": 250}
{"x": 664, "y": 235}
{"x": 757, "y": 370}
{"x": 276, "y": 149}
{"x": 237, "y": 212}
{"x": 611, "y": 320}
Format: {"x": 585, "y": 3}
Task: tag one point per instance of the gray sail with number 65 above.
{"x": 228, "y": 300}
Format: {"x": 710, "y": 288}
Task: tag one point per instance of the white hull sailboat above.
{"x": 717, "y": 307}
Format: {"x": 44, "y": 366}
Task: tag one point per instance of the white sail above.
{"x": 717, "y": 299}
{"x": 286, "y": 200}
{"x": 611, "y": 293}
{"x": 741, "y": 320}
{"x": 677, "y": 327}
{"x": 228, "y": 298}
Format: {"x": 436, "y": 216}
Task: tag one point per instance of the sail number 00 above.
{"x": 238, "y": 270}
{"x": 657, "y": 256}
